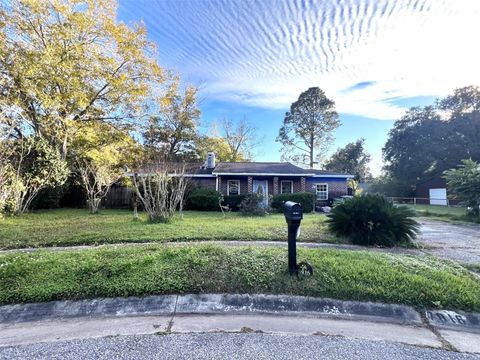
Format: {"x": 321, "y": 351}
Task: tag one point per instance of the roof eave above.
{"x": 334, "y": 176}
{"x": 258, "y": 174}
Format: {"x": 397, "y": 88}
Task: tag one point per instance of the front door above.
{"x": 261, "y": 187}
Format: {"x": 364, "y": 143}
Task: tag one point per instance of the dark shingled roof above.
{"x": 260, "y": 168}
{"x": 267, "y": 168}
{"x": 201, "y": 171}
{"x": 325, "y": 172}
{"x": 189, "y": 168}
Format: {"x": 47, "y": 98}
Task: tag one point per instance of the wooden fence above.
{"x": 119, "y": 197}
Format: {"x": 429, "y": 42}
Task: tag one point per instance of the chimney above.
{"x": 210, "y": 160}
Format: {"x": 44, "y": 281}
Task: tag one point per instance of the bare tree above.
{"x": 241, "y": 139}
{"x": 161, "y": 190}
{"x": 97, "y": 180}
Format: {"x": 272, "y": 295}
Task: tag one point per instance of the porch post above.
{"x": 250, "y": 185}
{"x": 302, "y": 183}
{"x": 275, "y": 185}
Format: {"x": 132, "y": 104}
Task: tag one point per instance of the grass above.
{"x": 155, "y": 269}
{"x": 444, "y": 213}
{"x": 67, "y": 227}
{"x": 439, "y": 210}
{"x": 473, "y": 267}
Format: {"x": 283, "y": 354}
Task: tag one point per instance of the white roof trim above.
{"x": 260, "y": 174}
{"x": 130, "y": 174}
{"x": 333, "y": 176}
{"x": 200, "y": 175}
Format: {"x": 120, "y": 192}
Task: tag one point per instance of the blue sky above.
{"x": 374, "y": 58}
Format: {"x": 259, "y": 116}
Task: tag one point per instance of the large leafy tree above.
{"x": 412, "y": 148}
{"x": 464, "y": 183}
{"x": 33, "y": 166}
{"x": 217, "y": 144}
{"x": 308, "y": 126}
{"x": 461, "y": 101}
{"x": 173, "y": 131}
{"x": 5, "y": 175}
{"x": 100, "y": 154}
{"x": 427, "y": 141}
{"x": 351, "y": 159}
{"x": 65, "y": 62}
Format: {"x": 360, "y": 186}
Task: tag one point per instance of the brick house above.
{"x": 272, "y": 178}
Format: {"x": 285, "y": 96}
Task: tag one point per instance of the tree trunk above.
{"x": 63, "y": 152}
{"x": 94, "y": 204}
{"x": 311, "y": 151}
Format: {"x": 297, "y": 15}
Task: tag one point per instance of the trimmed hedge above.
{"x": 204, "y": 200}
{"x": 303, "y": 198}
{"x": 233, "y": 201}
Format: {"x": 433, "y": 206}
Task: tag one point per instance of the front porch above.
{"x": 271, "y": 185}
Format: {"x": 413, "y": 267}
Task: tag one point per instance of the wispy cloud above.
{"x": 362, "y": 53}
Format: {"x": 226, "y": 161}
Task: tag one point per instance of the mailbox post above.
{"x": 293, "y": 215}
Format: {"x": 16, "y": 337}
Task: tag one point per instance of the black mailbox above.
{"x": 293, "y": 211}
{"x": 293, "y": 215}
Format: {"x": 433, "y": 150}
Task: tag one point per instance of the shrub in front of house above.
{"x": 251, "y": 205}
{"x": 303, "y": 198}
{"x": 233, "y": 201}
{"x": 373, "y": 220}
{"x": 204, "y": 200}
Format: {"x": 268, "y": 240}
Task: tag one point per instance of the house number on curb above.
{"x": 446, "y": 317}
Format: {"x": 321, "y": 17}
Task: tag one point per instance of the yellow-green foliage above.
{"x": 105, "y": 146}
{"x": 76, "y": 63}
{"x": 216, "y": 144}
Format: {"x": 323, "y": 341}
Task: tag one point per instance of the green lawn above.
{"x": 446, "y": 213}
{"x": 439, "y": 210}
{"x": 65, "y": 227}
{"x": 154, "y": 269}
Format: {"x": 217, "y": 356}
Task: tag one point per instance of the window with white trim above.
{"x": 233, "y": 187}
{"x": 286, "y": 187}
{"x": 321, "y": 191}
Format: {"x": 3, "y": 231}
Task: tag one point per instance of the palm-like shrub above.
{"x": 373, "y": 220}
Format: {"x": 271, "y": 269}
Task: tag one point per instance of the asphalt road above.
{"x": 225, "y": 346}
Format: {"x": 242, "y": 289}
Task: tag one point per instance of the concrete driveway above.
{"x": 459, "y": 242}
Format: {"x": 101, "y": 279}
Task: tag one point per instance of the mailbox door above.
{"x": 296, "y": 212}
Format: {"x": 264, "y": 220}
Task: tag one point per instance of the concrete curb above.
{"x": 451, "y": 320}
{"x": 150, "y": 305}
{"x": 297, "y": 305}
{"x": 211, "y": 304}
